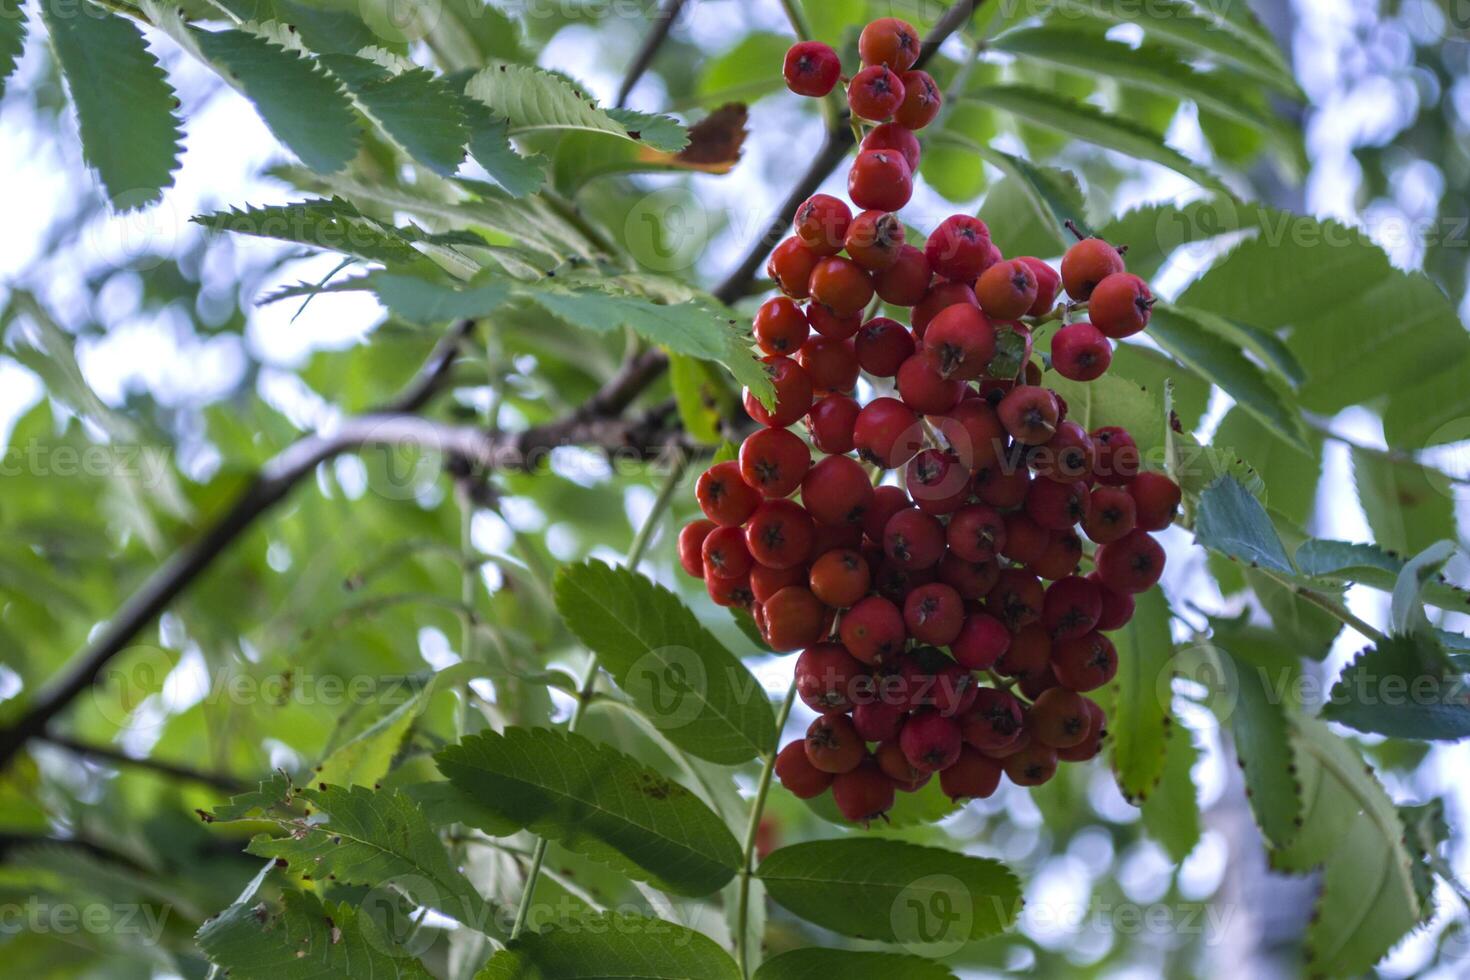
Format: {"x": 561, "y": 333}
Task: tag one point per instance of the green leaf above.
{"x": 125, "y": 106}
{"x": 372, "y": 838}
{"x": 1156, "y": 232}
{"x": 1406, "y": 511}
{"x": 803, "y": 964}
{"x": 1291, "y": 475}
{"x": 1403, "y": 688}
{"x": 689, "y": 686}
{"x": 1141, "y": 723}
{"x": 1086, "y": 122}
{"x": 445, "y": 804}
{"x": 416, "y": 108}
{"x": 1370, "y": 565}
{"x": 1151, "y": 370}
{"x": 12, "y": 38}
{"x": 304, "y": 940}
{"x": 1171, "y": 812}
{"x": 1206, "y": 344}
{"x": 1054, "y": 197}
{"x": 1349, "y": 825}
{"x": 1115, "y": 400}
{"x": 1192, "y": 28}
{"x": 1408, "y": 592}
{"x": 534, "y": 100}
{"x": 1150, "y": 68}
{"x": 746, "y": 72}
{"x": 928, "y": 805}
{"x": 275, "y": 793}
{"x": 1259, "y": 723}
{"x": 491, "y": 147}
{"x": 300, "y": 103}
{"x": 599, "y": 802}
{"x": 893, "y": 891}
{"x": 1234, "y": 523}
{"x": 332, "y": 225}
{"x": 611, "y": 945}
{"x": 1359, "y": 326}
{"x": 703, "y": 399}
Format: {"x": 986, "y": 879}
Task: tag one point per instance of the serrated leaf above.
{"x": 416, "y": 108}
{"x": 275, "y": 793}
{"x": 1291, "y": 475}
{"x": 1141, "y": 720}
{"x": 1234, "y": 523}
{"x": 534, "y": 100}
{"x": 413, "y": 298}
{"x": 333, "y": 225}
{"x": 690, "y": 687}
{"x": 1402, "y": 688}
{"x": 597, "y": 801}
{"x": 1155, "y": 232}
{"x": 12, "y": 38}
{"x": 1405, "y": 509}
{"x": 703, "y": 401}
{"x": 1368, "y": 564}
{"x": 491, "y": 147}
{"x": 1086, "y": 122}
{"x": 1350, "y": 826}
{"x": 1115, "y": 400}
{"x": 1054, "y": 196}
{"x": 804, "y": 964}
{"x": 1191, "y": 27}
{"x": 610, "y": 945}
{"x": 1407, "y": 610}
{"x": 300, "y": 103}
{"x": 445, "y": 804}
{"x": 1171, "y": 813}
{"x": 304, "y": 940}
{"x": 893, "y": 891}
{"x": 373, "y": 838}
{"x": 1215, "y": 354}
{"x": 125, "y": 106}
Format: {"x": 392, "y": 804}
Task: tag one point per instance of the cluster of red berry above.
{"x": 871, "y": 582}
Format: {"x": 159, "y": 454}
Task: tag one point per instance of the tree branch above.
{"x": 663, "y": 22}
{"x": 108, "y": 754}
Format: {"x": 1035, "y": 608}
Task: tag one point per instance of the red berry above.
{"x": 930, "y": 741}
{"x": 729, "y": 591}
{"x": 793, "y": 394}
{"x": 1007, "y": 290}
{"x": 947, "y": 686}
{"x": 982, "y": 641}
{"x": 974, "y": 433}
{"x": 905, "y": 282}
{"x": 780, "y": 326}
{"x": 994, "y": 722}
{"x": 811, "y": 69}
{"x": 832, "y": 365}
{"x": 934, "y": 614}
{"x": 830, "y": 325}
{"x": 1056, "y": 506}
{"x": 833, "y": 745}
{"x": 1117, "y": 456}
{"x": 1071, "y": 608}
{"x": 837, "y": 491}
{"x": 892, "y": 136}
{"x": 888, "y": 433}
{"x": 940, "y": 297}
{"x": 874, "y": 240}
{"x": 877, "y": 720}
{"x": 821, "y": 223}
{"x": 1025, "y": 540}
{"x": 1085, "y": 663}
{"x": 840, "y": 578}
{"x": 1086, "y": 264}
{"x": 724, "y": 496}
{"x": 1156, "y": 498}
{"x": 974, "y": 776}
{"x": 1117, "y": 607}
{"x": 897, "y": 768}
{"x": 1004, "y": 482}
{"x": 889, "y": 41}
{"x": 887, "y": 501}
{"x": 962, "y": 340}
{"x": 1069, "y": 455}
{"x": 791, "y": 264}
{"x": 1062, "y": 556}
{"x": 880, "y": 180}
{"x": 691, "y": 546}
{"x": 882, "y": 345}
{"x": 923, "y": 386}
{"x": 826, "y": 676}
{"x": 1132, "y": 564}
{"x": 725, "y": 554}
{"x": 1079, "y": 352}
{"x": 766, "y": 581}
{"x": 937, "y": 482}
{"x": 1048, "y": 284}
{"x": 960, "y": 248}
{"x": 794, "y": 618}
{"x": 1032, "y": 766}
{"x": 976, "y": 533}
{"x": 971, "y": 579}
{"x": 921, "y": 101}
{"x": 864, "y": 794}
{"x": 835, "y": 537}
{"x": 796, "y": 772}
{"x": 1016, "y": 599}
{"x": 830, "y": 423}
{"x": 873, "y": 630}
{"x": 774, "y": 461}
{"x": 1121, "y": 305}
{"x": 841, "y": 285}
{"x": 1111, "y": 513}
{"x": 914, "y": 539}
{"x": 1030, "y": 414}
{"x": 1090, "y": 746}
{"x": 779, "y": 534}
{"x": 875, "y": 92}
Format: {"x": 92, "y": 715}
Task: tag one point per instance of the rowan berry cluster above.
{"x": 945, "y": 624}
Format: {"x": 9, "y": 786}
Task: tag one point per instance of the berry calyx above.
{"x": 875, "y": 92}
{"x": 880, "y": 180}
{"x": 874, "y": 240}
{"x": 1007, "y": 290}
{"x": 921, "y": 101}
{"x": 780, "y": 326}
{"x": 774, "y": 462}
{"x": 793, "y": 394}
{"x": 864, "y": 794}
{"x": 1132, "y": 564}
{"x": 1121, "y": 305}
{"x": 960, "y": 248}
{"x": 821, "y": 224}
{"x": 1080, "y": 352}
{"x": 811, "y": 69}
{"x": 724, "y": 496}
{"x": 833, "y": 745}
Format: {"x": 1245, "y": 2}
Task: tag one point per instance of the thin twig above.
{"x": 113, "y": 756}
{"x": 752, "y": 834}
{"x": 1327, "y": 603}
{"x": 663, "y": 22}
